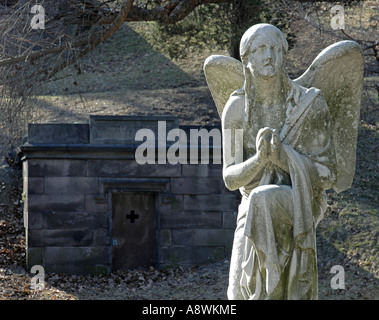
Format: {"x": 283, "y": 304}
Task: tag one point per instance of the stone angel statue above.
{"x": 298, "y": 140}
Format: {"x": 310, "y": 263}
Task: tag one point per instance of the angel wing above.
{"x": 224, "y": 75}
{"x": 337, "y": 71}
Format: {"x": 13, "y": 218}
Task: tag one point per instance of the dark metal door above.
{"x": 133, "y": 230}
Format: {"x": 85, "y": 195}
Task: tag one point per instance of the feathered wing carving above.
{"x": 224, "y": 75}
{"x": 337, "y": 71}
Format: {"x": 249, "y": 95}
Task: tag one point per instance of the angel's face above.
{"x": 266, "y": 58}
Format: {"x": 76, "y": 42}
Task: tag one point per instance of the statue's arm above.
{"x": 236, "y": 172}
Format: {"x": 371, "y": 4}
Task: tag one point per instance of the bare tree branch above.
{"x": 371, "y": 46}
{"x": 94, "y": 41}
{"x": 172, "y": 12}
{"x": 91, "y": 42}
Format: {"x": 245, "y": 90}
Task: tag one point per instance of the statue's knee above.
{"x": 262, "y": 194}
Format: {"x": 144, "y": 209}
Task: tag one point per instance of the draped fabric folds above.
{"x": 277, "y": 220}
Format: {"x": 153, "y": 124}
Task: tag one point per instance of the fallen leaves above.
{"x": 142, "y": 283}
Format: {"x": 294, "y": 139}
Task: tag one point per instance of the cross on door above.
{"x": 132, "y": 216}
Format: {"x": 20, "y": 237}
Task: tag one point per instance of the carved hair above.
{"x": 250, "y": 35}
{"x": 245, "y": 46}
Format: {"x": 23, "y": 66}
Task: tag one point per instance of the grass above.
{"x": 124, "y": 62}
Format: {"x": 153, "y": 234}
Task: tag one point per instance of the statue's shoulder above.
{"x": 233, "y": 113}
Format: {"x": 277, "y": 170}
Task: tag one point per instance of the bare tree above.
{"x": 361, "y": 23}
{"x": 72, "y": 28}
{"x": 33, "y": 51}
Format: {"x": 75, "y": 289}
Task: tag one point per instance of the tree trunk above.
{"x": 245, "y": 13}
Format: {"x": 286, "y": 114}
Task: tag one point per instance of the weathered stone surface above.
{"x": 34, "y": 185}
{"x": 35, "y": 256}
{"x": 171, "y": 205}
{"x": 203, "y": 237}
{"x": 34, "y": 220}
{"x": 71, "y": 185}
{"x": 164, "y": 237}
{"x": 285, "y": 143}
{"x": 338, "y": 72}
{"x": 96, "y": 203}
{"x": 212, "y": 202}
{"x": 122, "y": 129}
{"x": 69, "y": 238}
{"x": 196, "y": 185}
{"x": 58, "y": 133}
{"x": 52, "y": 202}
{"x": 56, "y": 168}
{"x": 202, "y": 170}
{"x": 77, "y": 255}
{"x": 191, "y": 219}
{"x": 131, "y": 184}
{"x": 130, "y": 168}
{"x": 229, "y": 219}
{"x": 73, "y": 220}
{"x": 221, "y": 87}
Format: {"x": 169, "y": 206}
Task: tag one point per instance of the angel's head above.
{"x": 263, "y": 50}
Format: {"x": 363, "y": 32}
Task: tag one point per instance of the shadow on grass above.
{"x": 359, "y": 283}
{"x": 125, "y": 61}
{"x": 348, "y": 235}
{"x": 364, "y": 192}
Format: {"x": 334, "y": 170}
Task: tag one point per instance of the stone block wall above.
{"x": 68, "y": 205}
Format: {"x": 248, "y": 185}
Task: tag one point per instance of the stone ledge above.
{"x": 124, "y": 168}
{"x": 107, "y": 151}
{"x": 77, "y": 151}
{"x": 58, "y": 133}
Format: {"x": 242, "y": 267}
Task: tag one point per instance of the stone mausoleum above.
{"x": 91, "y": 208}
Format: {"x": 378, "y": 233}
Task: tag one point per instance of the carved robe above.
{"x": 274, "y": 249}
